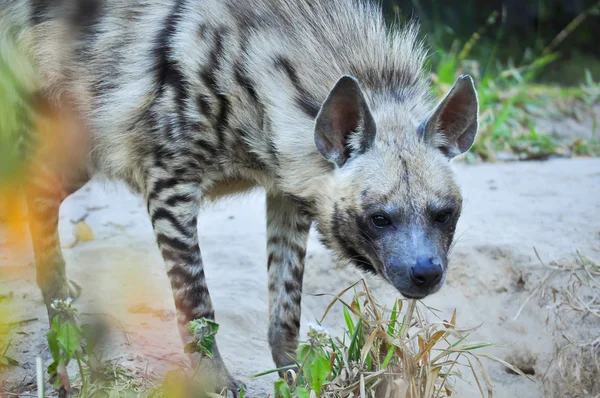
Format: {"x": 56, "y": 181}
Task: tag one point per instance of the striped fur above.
{"x": 191, "y": 100}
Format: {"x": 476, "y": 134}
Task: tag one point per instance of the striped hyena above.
{"x": 190, "y": 100}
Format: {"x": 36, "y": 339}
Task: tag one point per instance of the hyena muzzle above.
{"x": 191, "y": 100}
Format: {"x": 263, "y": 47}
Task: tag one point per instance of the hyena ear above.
{"x": 453, "y": 124}
{"x": 344, "y": 124}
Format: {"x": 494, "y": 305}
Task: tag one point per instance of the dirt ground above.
{"x": 509, "y": 209}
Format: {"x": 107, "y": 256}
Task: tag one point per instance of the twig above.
{"x": 19, "y": 323}
{"x": 534, "y": 291}
{"x": 539, "y": 287}
{"x": 567, "y": 30}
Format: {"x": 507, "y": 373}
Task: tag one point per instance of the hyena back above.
{"x": 189, "y": 100}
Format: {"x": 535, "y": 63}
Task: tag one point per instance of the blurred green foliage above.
{"x": 17, "y": 80}
{"x": 521, "y": 30}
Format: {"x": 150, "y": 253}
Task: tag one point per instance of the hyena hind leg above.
{"x": 287, "y": 234}
{"x": 173, "y": 207}
{"x": 44, "y": 192}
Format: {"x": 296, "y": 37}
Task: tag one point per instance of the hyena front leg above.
{"x": 287, "y": 235}
{"x": 44, "y": 191}
{"x": 173, "y": 206}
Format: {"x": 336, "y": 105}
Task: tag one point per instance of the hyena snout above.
{"x": 417, "y": 278}
{"x": 426, "y": 273}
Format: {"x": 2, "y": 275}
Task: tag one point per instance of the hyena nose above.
{"x": 426, "y": 272}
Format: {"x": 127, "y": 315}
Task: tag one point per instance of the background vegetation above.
{"x": 527, "y": 28}
{"x": 536, "y": 66}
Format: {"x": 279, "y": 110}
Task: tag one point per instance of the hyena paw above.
{"x": 215, "y": 375}
{"x": 74, "y": 289}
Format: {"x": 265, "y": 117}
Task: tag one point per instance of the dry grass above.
{"x": 391, "y": 353}
{"x": 571, "y": 293}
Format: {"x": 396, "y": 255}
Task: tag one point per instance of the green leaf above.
{"x": 203, "y": 332}
{"x": 55, "y": 324}
{"x": 369, "y": 362}
{"x": 53, "y": 344}
{"x": 393, "y": 317}
{"x": 348, "y": 319}
{"x": 69, "y": 339}
{"x": 388, "y": 357}
{"x": 301, "y": 392}
{"x": 282, "y": 390}
{"x": 303, "y": 351}
{"x": 319, "y": 370}
{"x": 52, "y": 368}
{"x": 354, "y": 346}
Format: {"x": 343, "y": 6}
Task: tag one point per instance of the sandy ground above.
{"x": 509, "y": 209}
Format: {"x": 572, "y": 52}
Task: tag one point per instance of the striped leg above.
{"x": 44, "y": 192}
{"x": 287, "y": 234}
{"x": 173, "y": 206}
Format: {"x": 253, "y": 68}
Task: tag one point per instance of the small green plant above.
{"x": 384, "y": 354}
{"x": 65, "y": 344}
{"x": 203, "y": 332}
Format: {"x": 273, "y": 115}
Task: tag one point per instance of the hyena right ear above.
{"x": 344, "y": 123}
{"x": 453, "y": 124}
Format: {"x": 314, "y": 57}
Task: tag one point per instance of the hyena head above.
{"x": 391, "y": 203}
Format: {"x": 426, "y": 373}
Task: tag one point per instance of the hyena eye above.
{"x": 380, "y": 221}
{"x": 443, "y": 217}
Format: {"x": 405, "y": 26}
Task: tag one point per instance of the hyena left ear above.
{"x": 453, "y": 124}
{"x": 344, "y": 123}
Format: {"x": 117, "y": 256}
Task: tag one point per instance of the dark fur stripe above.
{"x": 347, "y": 247}
{"x": 291, "y": 287}
{"x": 293, "y": 291}
{"x": 307, "y": 207}
{"x": 175, "y": 243}
{"x": 204, "y": 105}
{"x": 39, "y": 11}
{"x": 164, "y": 214}
{"x": 182, "y": 274}
{"x": 177, "y": 199}
{"x": 270, "y": 260}
{"x": 176, "y": 80}
{"x": 201, "y": 149}
{"x": 86, "y": 15}
{"x": 209, "y": 77}
{"x": 187, "y": 258}
{"x": 282, "y": 241}
{"x": 191, "y": 305}
{"x": 161, "y": 185}
{"x": 245, "y": 82}
{"x": 298, "y": 271}
{"x": 162, "y": 49}
{"x": 309, "y": 105}
{"x": 272, "y": 149}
